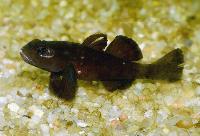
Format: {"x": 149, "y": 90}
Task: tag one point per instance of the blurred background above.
{"x": 147, "y": 108}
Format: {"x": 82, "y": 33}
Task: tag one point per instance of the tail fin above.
{"x": 169, "y": 67}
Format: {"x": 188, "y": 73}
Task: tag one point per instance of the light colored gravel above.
{"x": 151, "y": 108}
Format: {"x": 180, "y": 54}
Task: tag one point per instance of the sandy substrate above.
{"x": 151, "y": 108}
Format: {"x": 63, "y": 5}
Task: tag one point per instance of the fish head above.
{"x": 43, "y": 55}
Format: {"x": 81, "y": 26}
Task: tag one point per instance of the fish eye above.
{"x": 45, "y": 52}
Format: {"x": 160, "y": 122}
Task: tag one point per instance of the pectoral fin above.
{"x": 114, "y": 85}
{"x": 64, "y": 84}
{"x": 125, "y": 48}
{"x": 96, "y": 41}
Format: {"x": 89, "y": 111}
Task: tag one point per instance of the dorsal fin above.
{"x": 96, "y": 41}
{"x": 125, "y": 48}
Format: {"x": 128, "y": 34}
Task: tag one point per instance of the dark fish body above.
{"x": 115, "y": 65}
{"x": 91, "y": 64}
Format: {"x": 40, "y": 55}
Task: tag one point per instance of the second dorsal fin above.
{"x": 125, "y": 48}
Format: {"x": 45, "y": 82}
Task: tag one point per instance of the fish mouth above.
{"x": 28, "y": 60}
{"x": 25, "y": 58}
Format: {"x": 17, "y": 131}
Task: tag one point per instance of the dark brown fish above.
{"x": 115, "y": 65}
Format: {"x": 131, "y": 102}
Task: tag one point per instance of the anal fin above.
{"x": 125, "y": 48}
{"x": 119, "y": 84}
